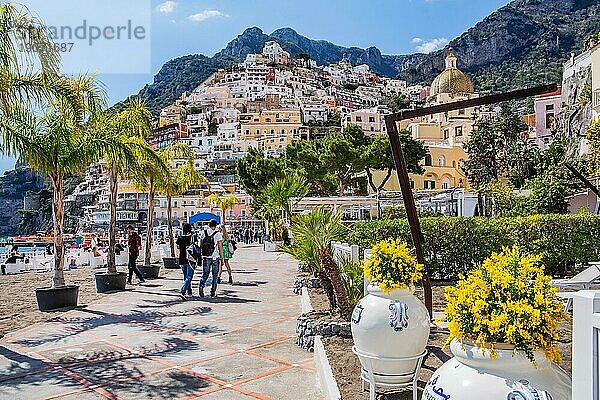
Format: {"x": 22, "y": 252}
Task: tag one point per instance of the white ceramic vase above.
{"x": 394, "y": 325}
{"x": 473, "y": 375}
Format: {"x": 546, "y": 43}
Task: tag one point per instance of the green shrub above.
{"x": 453, "y": 246}
{"x": 353, "y": 277}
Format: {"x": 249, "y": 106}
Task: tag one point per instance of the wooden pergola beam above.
{"x": 391, "y": 121}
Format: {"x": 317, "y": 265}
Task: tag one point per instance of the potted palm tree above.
{"x": 56, "y": 143}
{"x": 175, "y": 183}
{"x": 126, "y": 148}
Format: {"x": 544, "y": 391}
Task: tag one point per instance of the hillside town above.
{"x": 272, "y": 99}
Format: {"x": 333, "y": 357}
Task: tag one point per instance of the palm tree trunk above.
{"x": 58, "y": 275}
{"x": 170, "y": 224}
{"x": 333, "y": 273}
{"x": 327, "y": 287}
{"x": 112, "y": 227}
{"x": 148, "y": 251}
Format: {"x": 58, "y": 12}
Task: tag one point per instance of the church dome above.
{"x": 451, "y": 80}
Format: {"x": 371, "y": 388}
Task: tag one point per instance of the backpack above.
{"x": 208, "y": 244}
{"x": 196, "y": 250}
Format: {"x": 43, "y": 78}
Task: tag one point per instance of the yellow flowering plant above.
{"x": 392, "y": 266}
{"x": 508, "y": 299}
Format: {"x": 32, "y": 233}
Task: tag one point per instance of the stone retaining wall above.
{"x": 306, "y": 281}
{"x": 308, "y": 326}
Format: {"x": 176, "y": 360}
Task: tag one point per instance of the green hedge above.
{"x": 453, "y": 246}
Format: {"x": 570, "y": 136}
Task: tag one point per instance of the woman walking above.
{"x": 183, "y": 242}
{"x": 228, "y": 249}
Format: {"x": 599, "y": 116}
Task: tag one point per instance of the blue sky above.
{"x": 180, "y": 27}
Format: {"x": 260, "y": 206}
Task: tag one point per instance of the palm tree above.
{"x": 178, "y": 182}
{"x": 153, "y": 176}
{"x": 125, "y": 136}
{"x": 20, "y": 82}
{"x": 57, "y": 143}
{"x": 224, "y": 203}
{"x": 317, "y": 230}
{"x": 281, "y": 192}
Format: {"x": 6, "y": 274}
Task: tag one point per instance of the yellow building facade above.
{"x": 443, "y": 134}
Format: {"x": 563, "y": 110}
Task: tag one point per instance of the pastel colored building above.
{"x": 546, "y": 108}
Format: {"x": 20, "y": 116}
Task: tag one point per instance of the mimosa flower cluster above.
{"x": 392, "y": 266}
{"x": 508, "y": 299}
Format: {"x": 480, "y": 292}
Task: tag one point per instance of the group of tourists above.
{"x": 249, "y": 235}
{"x": 212, "y": 248}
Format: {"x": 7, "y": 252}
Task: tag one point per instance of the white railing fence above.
{"x": 349, "y": 252}
{"x": 586, "y": 345}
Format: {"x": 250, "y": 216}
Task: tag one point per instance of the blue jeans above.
{"x": 188, "y": 274}
{"x": 209, "y": 265}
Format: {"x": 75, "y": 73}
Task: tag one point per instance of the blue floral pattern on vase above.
{"x": 398, "y": 315}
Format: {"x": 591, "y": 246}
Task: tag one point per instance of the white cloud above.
{"x": 167, "y": 7}
{"x": 432, "y": 45}
{"x": 206, "y": 14}
{"x": 416, "y": 40}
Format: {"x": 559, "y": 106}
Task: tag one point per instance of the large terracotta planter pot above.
{"x": 150, "y": 272}
{"x": 473, "y": 375}
{"x": 394, "y": 325}
{"x": 106, "y": 282}
{"x": 55, "y": 298}
{"x": 170, "y": 263}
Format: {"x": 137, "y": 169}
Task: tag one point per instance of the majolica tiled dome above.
{"x": 451, "y": 80}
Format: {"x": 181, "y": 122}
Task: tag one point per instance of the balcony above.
{"x": 596, "y": 100}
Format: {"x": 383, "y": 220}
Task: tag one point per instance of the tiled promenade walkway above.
{"x": 149, "y": 344}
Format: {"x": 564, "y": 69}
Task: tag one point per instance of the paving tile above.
{"x": 87, "y": 395}
{"x": 235, "y": 367}
{"x": 225, "y": 394}
{"x": 169, "y": 385}
{"x": 83, "y": 352}
{"x": 286, "y": 351}
{"x": 278, "y": 386}
{"x": 105, "y": 371}
{"x": 37, "y": 386}
{"x": 13, "y": 362}
{"x": 188, "y": 352}
{"x": 245, "y": 338}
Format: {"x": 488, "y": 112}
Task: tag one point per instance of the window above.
{"x": 185, "y": 214}
{"x": 371, "y": 119}
{"x": 428, "y": 160}
{"x": 231, "y": 213}
{"x": 442, "y": 161}
{"x": 372, "y": 129}
{"x": 358, "y": 118}
{"x": 446, "y": 183}
{"x": 412, "y": 184}
{"x": 429, "y": 184}
{"x": 175, "y": 203}
{"x": 453, "y": 163}
{"x": 446, "y": 134}
{"x": 282, "y": 139}
{"x": 549, "y": 107}
{"x": 461, "y": 111}
{"x": 243, "y": 213}
{"x": 458, "y": 131}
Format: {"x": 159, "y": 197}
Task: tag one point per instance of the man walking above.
{"x": 211, "y": 244}
{"x": 134, "y": 243}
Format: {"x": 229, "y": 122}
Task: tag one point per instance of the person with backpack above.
{"x": 187, "y": 265}
{"x": 134, "y": 243}
{"x": 211, "y": 245}
{"x": 229, "y": 247}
